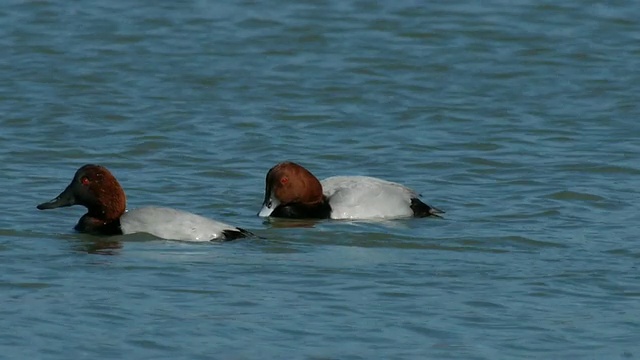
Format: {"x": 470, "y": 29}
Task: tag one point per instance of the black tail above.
{"x": 421, "y": 209}
{"x": 239, "y": 233}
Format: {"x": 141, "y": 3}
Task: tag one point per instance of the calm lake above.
{"x": 519, "y": 119}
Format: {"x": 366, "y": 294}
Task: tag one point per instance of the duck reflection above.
{"x": 99, "y": 247}
{"x": 283, "y": 223}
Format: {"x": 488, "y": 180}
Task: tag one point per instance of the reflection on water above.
{"x": 279, "y": 223}
{"x": 99, "y": 247}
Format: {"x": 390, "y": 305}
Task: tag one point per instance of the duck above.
{"x": 292, "y": 191}
{"x": 97, "y": 189}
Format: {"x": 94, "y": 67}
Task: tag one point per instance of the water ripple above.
{"x": 517, "y": 120}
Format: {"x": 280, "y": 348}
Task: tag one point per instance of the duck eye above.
{"x": 84, "y": 181}
{"x": 284, "y": 180}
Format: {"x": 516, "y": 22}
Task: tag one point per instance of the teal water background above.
{"x": 520, "y": 119}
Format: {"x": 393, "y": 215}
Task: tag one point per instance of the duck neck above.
{"x": 298, "y": 210}
{"x": 109, "y": 207}
{"x": 97, "y": 226}
{"x": 103, "y": 217}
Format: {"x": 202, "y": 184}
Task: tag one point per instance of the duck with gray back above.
{"x": 291, "y": 191}
{"x": 95, "y": 187}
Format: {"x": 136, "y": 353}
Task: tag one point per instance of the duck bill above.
{"x": 65, "y": 198}
{"x": 267, "y": 207}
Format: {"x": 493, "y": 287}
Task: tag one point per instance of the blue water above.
{"x": 517, "y": 118}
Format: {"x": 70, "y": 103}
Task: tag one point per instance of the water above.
{"x": 517, "y": 118}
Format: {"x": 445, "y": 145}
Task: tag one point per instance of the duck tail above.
{"x": 421, "y": 209}
{"x": 237, "y": 233}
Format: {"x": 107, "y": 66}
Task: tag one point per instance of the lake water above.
{"x": 520, "y": 119}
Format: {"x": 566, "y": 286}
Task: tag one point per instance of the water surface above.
{"x": 517, "y": 118}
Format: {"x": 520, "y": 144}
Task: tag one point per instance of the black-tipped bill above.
{"x": 65, "y": 198}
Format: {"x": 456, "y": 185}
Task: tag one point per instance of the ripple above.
{"x": 191, "y": 105}
{"x": 572, "y": 195}
{"x": 33, "y": 286}
{"x": 485, "y": 304}
{"x": 600, "y": 169}
{"x": 625, "y": 252}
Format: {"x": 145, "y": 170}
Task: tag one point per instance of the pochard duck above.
{"x": 291, "y": 191}
{"x": 94, "y": 187}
